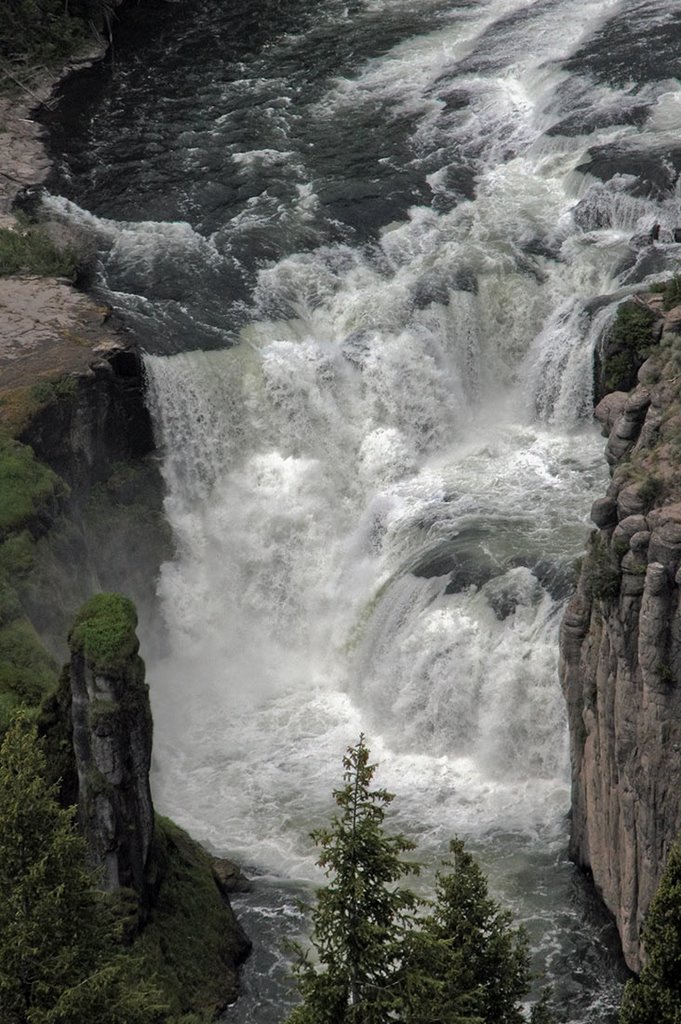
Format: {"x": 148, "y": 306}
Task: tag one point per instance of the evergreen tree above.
{"x": 470, "y": 962}
{"x": 377, "y": 962}
{"x": 58, "y": 961}
{"x": 655, "y": 997}
{"x": 362, "y": 915}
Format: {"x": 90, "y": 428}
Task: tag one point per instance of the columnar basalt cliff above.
{"x": 621, "y": 639}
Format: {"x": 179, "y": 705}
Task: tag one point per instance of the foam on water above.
{"x": 377, "y": 495}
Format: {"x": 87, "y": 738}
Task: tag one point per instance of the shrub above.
{"x": 602, "y": 571}
{"x": 30, "y": 250}
{"x": 104, "y": 631}
{"x": 672, "y": 292}
{"x": 27, "y": 487}
{"x": 627, "y": 346}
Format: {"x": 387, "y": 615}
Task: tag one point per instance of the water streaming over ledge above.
{"x": 402, "y": 217}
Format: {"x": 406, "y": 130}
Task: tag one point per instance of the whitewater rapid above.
{"x": 381, "y": 249}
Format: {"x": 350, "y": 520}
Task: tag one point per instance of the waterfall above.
{"x": 370, "y": 260}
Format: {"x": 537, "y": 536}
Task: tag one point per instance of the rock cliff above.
{"x": 112, "y": 736}
{"x": 172, "y": 893}
{"x": 621, "y": 635}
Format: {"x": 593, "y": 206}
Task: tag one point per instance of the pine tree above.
{"x": 377, "y": 960}
{"x": 471, "y": 963}
{"x": 58, "y": 962}
{"x": 655, "y": 997}
{"x": 362, "y": 915}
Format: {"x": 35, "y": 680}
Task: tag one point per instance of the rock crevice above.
{"x": 621, "y": 651}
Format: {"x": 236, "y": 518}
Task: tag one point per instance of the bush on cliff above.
{"x": 627, "y": 346}
{"x": 601, "y": 570}
{"x": 27, "y": 673}
{"x": 655, "y": 997}
{"x": 28, "y": 489}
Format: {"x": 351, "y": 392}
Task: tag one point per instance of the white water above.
{"x": 326, "y": 476}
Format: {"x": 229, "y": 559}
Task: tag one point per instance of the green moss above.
{"x": 188, "y": 942}
{"x": 628, "y": 345}
{"x": 27, "y": 672}
{"x": 30, "y": 250}
{"x": 26, "y": 486}
{"x": 104, "y": 631}
{"x": 47, "y": 391}
{"x": 19, "y": 406}
{"x": 10, "y": 605}
{"x": 55, "y": 730}
{"x": 18, "y": 555}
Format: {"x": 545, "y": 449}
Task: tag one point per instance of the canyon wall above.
{"x": 621, "y": 640}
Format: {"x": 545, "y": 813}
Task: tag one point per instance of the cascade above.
{"x": 369, "y": 260}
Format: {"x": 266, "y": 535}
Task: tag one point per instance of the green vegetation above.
{"x": 20, "y": 405}
{"x": 466, "y": 958}
{"x": 376, "y": 957}
{"x": 628, "y": 345}
{"x": 45, "y": 31}
{"x": 651, "y": 491}
{"x": 104, "y": 631}
{"x": 27, "y": 673}
{"x": 59, "y": 962}
{"x": 27, "y": 487}
{"x": 362, "y": 917}
{"x": 655, "y": 997}
{"x": 602, "y": 570}
{"x": 29, "y": 492}
{"x": 670, "y": 291}
{"x": 188, "y": 942}
{"x": 45, "y": 392}
{"x": 30, "y": 250}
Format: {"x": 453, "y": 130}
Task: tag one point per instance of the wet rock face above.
{"x": 112, "y": 738}
{"x": 621, "y": 659}
{"x": 103, "y": 421}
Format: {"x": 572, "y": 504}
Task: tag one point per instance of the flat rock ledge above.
{"x": 47, "y": 327}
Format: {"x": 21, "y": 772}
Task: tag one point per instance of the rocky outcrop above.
{"x": 177, "y": 912}
{"x": 99, "y": 420}
{"x": 621, "y": 650}
{"x": 112, "y": 736}
{"x": 91, "y": 427}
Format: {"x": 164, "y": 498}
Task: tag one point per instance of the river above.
{"x": 369, "y": 249}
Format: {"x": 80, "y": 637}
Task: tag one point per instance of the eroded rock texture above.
{"x": 621, "y": 652}
{"x": 112, "y": 738}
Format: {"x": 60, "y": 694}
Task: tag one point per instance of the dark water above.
{"x": 411, "y": 219}
{"x": 218, "y": 115}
